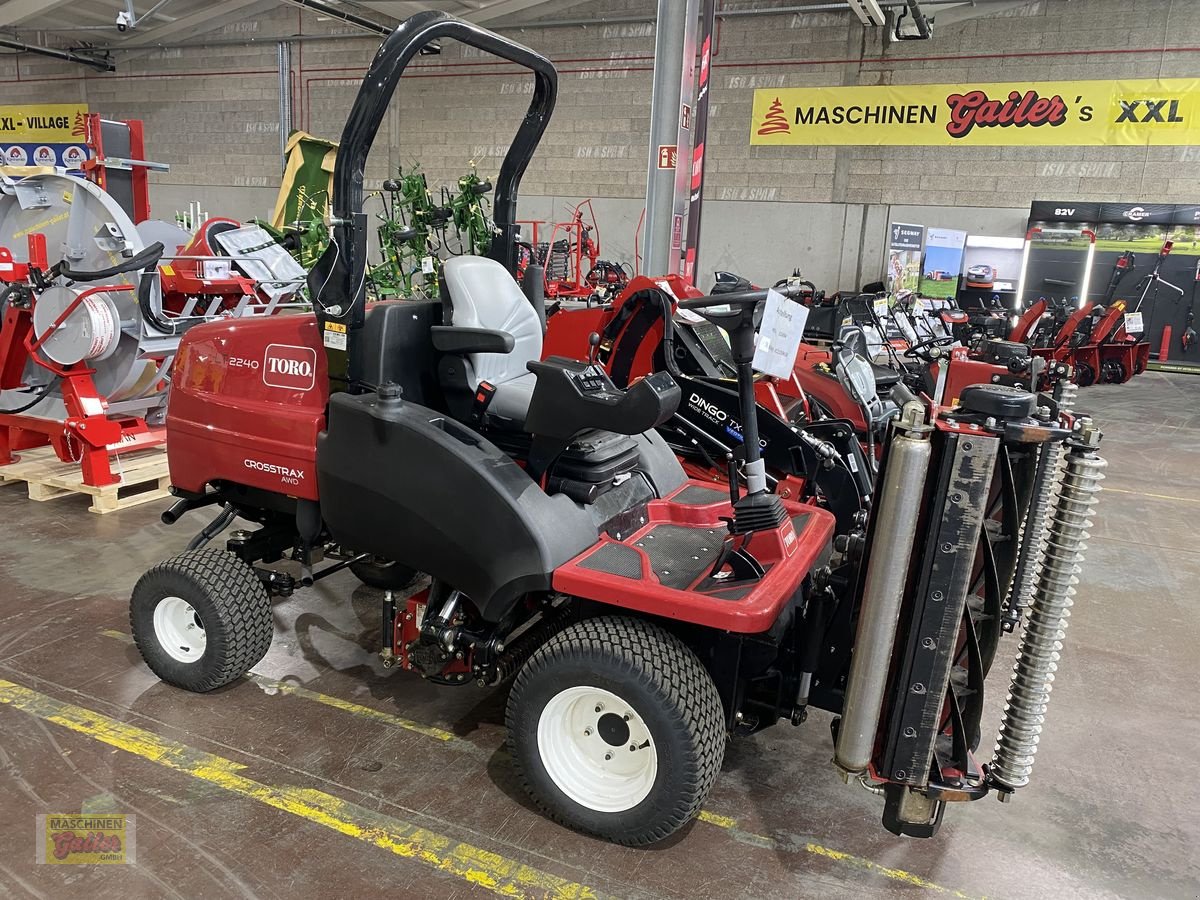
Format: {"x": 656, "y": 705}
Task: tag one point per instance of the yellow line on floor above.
{"x": 1113, "y": 490}
{"x": 480, "y": 867}
{"x": 858, "y": 862}
{"x": 357, "y": 709}
{"x": 705, "y": 816}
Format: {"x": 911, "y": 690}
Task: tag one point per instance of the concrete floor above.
{"x": 325, "y": 775}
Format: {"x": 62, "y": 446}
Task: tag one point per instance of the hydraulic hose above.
{"x": 145, "y": 287}
{"x": 147, "y": 258}
{"x": 227, "y": 514}
{"x": 43, "y": 390}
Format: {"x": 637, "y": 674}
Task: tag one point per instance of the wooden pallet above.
{"x": 144, "y": 478}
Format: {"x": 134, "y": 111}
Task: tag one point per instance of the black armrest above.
{"x": 453, "y": 339}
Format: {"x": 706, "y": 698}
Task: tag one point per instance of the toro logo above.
{"x": 975, "y": 109}
{"x": 286, "y": 366}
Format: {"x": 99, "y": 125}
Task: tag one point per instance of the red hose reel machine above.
{"x": 86, "y": 343}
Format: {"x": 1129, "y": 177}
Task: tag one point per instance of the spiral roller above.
{"x": 1033, "y": 528}
{"x": 1041, "y": 644}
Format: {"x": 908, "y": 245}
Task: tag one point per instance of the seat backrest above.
{"x": 484, "y": 295}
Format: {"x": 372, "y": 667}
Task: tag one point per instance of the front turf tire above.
{"x": 616, "y": 729}
{"x": 201, "y": 619}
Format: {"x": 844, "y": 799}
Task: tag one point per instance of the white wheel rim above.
{"x": 178, "y": 630}
{"x": 597, "y": 749}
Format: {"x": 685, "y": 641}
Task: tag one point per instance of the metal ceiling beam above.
{"x": 500, "y": 9}
{"x": 212, "y": 15}
{"x": 102, "y": 65}
{"x": 15, "y": 11}
{"x": 344, "y": 13}
{"x": 399, "y": 9}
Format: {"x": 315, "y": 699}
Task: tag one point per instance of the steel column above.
{"x": 285, "y": 97}
{"x": 699, "y": 137}
{"x": 672, "y": 51}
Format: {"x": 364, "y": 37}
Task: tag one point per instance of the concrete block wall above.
{"x": 212, "y": 113}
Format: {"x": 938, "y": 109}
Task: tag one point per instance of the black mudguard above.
{"x": 409, "y": 484}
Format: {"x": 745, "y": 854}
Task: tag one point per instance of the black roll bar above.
{"x": 337, "y": 282}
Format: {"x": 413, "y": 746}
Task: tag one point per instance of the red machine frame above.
{"x": 95, "y": 168}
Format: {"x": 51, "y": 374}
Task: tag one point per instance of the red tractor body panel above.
{"x": 247, "y": 402}
{"x": 703, "y": 601}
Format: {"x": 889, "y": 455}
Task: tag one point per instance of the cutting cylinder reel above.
{"x": 918, "y": 622}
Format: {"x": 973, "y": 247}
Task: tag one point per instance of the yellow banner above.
{"x": 51, "y": 123}
{"x": 1005, "y": 114}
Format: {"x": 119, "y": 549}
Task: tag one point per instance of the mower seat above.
{"x": 481, "y": 294}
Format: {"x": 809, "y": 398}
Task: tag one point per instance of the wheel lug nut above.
{"x": 607, "y": 756}
{"x": 632, "y": 748}
{"x": 588, "y": 732}
{"x": 599, "y": 707}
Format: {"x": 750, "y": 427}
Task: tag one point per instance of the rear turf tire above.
{"x": 201, "y": 619}
{"x": 383, "y": 574}
{"x": 653, "y": 694}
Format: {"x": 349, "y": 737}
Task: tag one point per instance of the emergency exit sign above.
{"x": 667, "y": 154}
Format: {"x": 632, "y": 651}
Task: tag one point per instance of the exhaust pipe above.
{"x": 895, "y": 529}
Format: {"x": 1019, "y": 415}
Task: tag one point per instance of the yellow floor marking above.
{"x": 849, "y": 859}
{"x": 480, "y": 867}
{"x": 725, "y": 822}
{"x": 287, "y": 687}
{"x": 1113, "y": 490}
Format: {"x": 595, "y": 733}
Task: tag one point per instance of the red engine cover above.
{"x": 248, "y": 399}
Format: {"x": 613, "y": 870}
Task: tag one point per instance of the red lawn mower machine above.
{"x": 643, "y": 617}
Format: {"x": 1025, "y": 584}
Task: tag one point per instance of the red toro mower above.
{"x": 644, "y": 617}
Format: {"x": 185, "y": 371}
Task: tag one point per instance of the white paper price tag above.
{"x": 427, "y": 265}
{"x": 779, "y": 335}
{"x": 1133, "y": 322}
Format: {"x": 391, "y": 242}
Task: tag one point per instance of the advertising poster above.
{"x": 44, "y": 134}
{"x": 992, "y": 263}
{"x": 942, "y": 263}
{"x": 904, "y": 256}
{"x": 1143, "y": 112}
{"x": 1161, "y": 289}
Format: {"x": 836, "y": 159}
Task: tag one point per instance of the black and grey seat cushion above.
{"x": 482, "y": 294}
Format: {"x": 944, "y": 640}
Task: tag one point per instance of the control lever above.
{"x": 733, "y": 313}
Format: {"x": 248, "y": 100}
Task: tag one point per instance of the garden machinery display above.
{"x": 1091, "y": 340}
{"x": 413, "y": 234}
{"x": 573, "y": 269}
{"x": 645, "y": 331}
{"x": 407, "y": 239}
{"x": 306, "y": 236}
{"x": 86, "y": 341}
{"x": 643, "y": 617}
{"x": 469, "y": 214}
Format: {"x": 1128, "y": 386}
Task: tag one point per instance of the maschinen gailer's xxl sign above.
{"x": 1049, "y": 113}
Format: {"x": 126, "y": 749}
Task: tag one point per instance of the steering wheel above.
{"x": 922, "y": 349}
